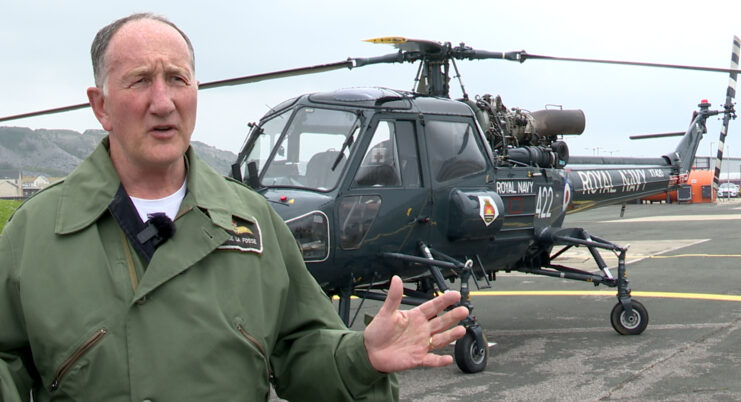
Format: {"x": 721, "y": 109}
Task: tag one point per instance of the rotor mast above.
{"x": 435, "y": 58}
{"x": 436, "y": 76}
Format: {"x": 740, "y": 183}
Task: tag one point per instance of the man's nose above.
{"x": 161, "y": 98}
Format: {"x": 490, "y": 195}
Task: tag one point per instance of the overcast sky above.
{"x": 44, "y": 47}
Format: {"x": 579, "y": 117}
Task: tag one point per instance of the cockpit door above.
{"x": 465, "y": 208}
{"x": 385, "y": 197}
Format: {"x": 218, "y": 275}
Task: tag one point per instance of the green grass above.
{"x": 6, "y": 209}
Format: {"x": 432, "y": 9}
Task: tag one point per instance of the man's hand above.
{"x": 399, "y": 340}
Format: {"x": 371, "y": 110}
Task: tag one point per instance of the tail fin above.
{"x": 684, "y": 154}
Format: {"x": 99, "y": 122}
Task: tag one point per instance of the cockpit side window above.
{"x": 406, "y": 140}
{"x": 391, "y": 158}
{"x": 454, "y": 151}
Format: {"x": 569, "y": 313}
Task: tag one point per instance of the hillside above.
{"x": 56, "y": 153}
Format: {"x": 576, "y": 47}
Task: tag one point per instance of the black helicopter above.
{"x": 376, "y": 182}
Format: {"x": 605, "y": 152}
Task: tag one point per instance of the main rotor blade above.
{"x": 277, "y": 74}
{"x": 523, "y": 55}
{"x": 409, "y": 45}
{"x": 213, "y": 84}
{"x": 47, "y": 111}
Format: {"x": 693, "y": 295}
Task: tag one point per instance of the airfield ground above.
{"x": 560, "y": 346}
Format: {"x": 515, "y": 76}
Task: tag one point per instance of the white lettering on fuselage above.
{"x": 545, "y": 202}
{"x": 633, "y": 180}
{"x": 596, "y": 181}
{"x": 626, "y": 180}
{"x": 505, "y": 187}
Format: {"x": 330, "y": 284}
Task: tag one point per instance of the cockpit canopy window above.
{"x": 267, "y": 135}
{"x": 309, "y": 153}
{"x": 454, "y": 151}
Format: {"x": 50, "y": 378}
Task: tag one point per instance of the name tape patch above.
{"x": 244, "y": 237}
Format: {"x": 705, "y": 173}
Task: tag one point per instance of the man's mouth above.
{"x": 163, "y": 128}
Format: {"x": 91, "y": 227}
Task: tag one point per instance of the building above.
{"x": 9, "y": 188}
{"x": 730, "y": 167}
{"x": 29, "y": 185}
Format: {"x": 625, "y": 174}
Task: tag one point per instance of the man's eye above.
{"x": 179, "y": 80}
{"x": 137, "y": 82}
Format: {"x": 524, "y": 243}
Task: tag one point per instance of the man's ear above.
{"x": 97, "y": 102}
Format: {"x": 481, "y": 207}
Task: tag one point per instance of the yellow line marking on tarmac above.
{"x": 697, "y": 255}
{"x": 675, "y": 218}
{"x": 643, "y": 257}
{"x": 662, "y": 295}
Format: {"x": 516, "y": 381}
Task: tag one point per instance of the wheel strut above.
{"x": 471, "y": 351}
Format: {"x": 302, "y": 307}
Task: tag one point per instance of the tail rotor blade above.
{"x": 730, "y": 95}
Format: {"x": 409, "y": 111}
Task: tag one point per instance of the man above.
{"x": 99, "y": 302}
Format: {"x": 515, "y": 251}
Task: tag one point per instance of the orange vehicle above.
{"x": 698, "y": 189}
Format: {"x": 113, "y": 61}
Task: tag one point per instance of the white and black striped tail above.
{"x": 730, "y": 95}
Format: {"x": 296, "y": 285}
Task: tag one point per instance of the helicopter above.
{"x": 376, "y": 182}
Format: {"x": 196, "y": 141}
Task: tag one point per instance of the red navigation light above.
{"x": 704, "y": 101}
{"x": 283, "y": 198}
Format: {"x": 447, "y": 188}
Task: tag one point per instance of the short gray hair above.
{"x": 103, "y": 39}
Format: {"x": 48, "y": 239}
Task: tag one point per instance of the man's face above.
{"x": 148, "y": 102}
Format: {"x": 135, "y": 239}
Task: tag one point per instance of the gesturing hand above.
{"x": 398, "y": 340}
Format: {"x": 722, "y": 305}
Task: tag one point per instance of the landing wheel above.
{"x": 468, "y": 356}
{"x": 629, "y": 324}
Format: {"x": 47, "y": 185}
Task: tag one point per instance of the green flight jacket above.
{"x": 81, "y": 319}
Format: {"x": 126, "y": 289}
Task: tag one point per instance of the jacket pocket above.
{"x": 258, "y": 348}
{"x": 70, "y": 362}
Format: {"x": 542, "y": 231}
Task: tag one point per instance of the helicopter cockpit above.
{"x": 312, "y": 151}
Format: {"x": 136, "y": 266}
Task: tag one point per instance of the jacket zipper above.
{"x": 259, "y": 347}
{"x": 70, "y": 362}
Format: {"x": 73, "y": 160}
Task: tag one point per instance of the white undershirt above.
{"x": 169, "y": 205}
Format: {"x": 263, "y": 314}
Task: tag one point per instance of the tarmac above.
{"x": 554, "y": 340}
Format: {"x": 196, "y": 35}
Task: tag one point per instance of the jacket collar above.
{"x": 89, "y": 189}
{"x": 209, "y": 191}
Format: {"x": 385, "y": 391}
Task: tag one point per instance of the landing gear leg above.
{"x": 628, "y": 317}
{"x": 471, "y": 351}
